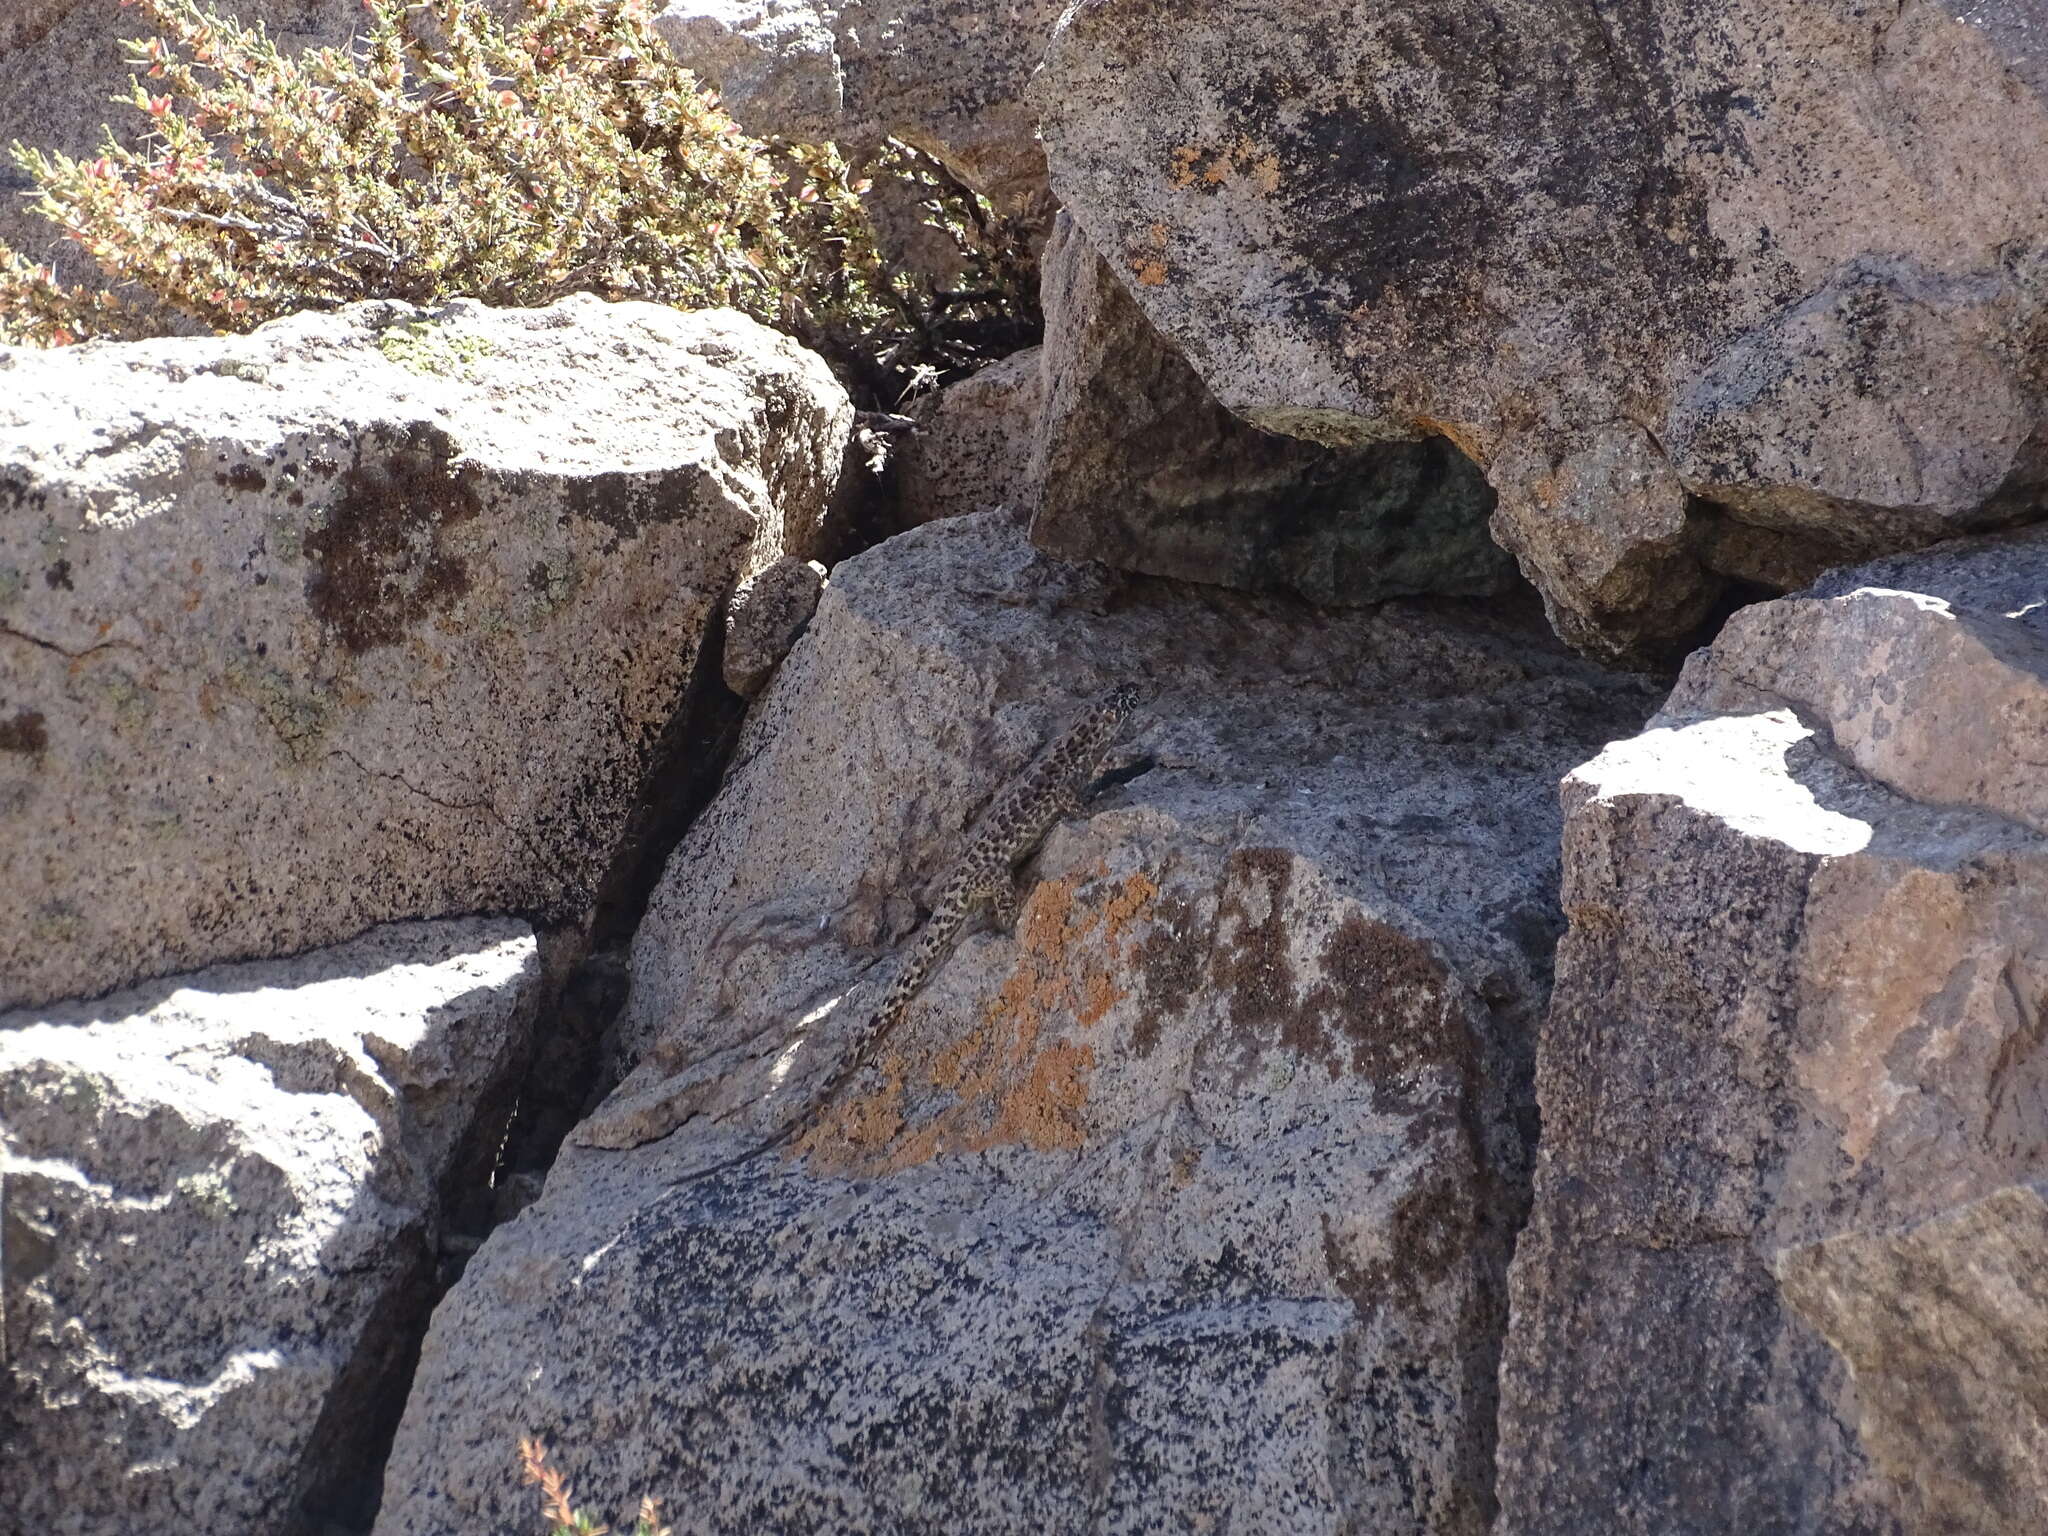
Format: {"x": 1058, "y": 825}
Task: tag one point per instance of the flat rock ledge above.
{"x": 222, "y": 1194}
{"x": 1192, "y": 1194}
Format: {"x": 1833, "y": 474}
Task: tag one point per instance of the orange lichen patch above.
{"x": 1239, "y": 164}
{"x": 855, "y": 1131}
{"x": 1045, "y": 1114}
{"x": 1133, "y": 898}
{"x": 1014, "y": 1079}
{"x": 1042, "y": 929}
{"x": 1149, "y": 263}
{"x": 1099, "y": 995}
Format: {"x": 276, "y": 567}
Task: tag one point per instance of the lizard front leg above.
{"x": 1006, "y": 902}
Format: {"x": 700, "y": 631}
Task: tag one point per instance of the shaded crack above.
{"x": 484, "y": 807}
{"x": 1101, "y": 1378}
{"x": 10, "y": 633}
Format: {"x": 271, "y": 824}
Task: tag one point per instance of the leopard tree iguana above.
{"x": 1054, "y": 787}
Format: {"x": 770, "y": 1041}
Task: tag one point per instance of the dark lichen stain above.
{"x": 1384, "y": 993}
{"x": 1431, "y": 1231}
{"x": 377, "y": 568}
{"x": 626, "y": 502}
{"x": 16, "y": 491}
{"x": 1377, "y": 1009}
{"x": 1169, "y": 958}
{"x": 26, "y": 732}
{"x": 243, "y": 477}
{"x": 58, "y": 575}
{"x": 1253, "y": 972}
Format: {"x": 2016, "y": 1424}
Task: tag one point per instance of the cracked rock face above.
{"x": 1191, "y": 1194}
{"x": 1783, "y": 1271}
{"x": 221, "y": 1194}
{"x": 365, "y": 616}
{"x": 945, "y": 75}
{"x": 1709, "y": 291}
{"x": 1134, "y": 463}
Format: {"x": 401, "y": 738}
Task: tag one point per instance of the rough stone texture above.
{"x": 221, "y": 1200}
{"x": 971, "y": 451}
{"x": 365, "y": 616}
{"x": 767, "y": 613}
{"x": 945, "y": 75}
{"x": 1136, "y": 464}
{"x": 60, "y": 61}
{"x": 1945, "y": 1326}
{"x": 1191, "y": 1196}
{"x": 1796, "y": 1042}
{"x": 1659, "y": 267}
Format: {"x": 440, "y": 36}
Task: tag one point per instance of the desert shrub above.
{"x": 563, "y": 1518}
{"x": 450, "y": 153}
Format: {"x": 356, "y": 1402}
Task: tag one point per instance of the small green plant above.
{"x": 563, "y": 1518}
{"x": 449, "y": 154}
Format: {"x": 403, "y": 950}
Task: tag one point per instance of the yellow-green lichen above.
{"x": 56, "y": 922}
{"x": 435, "y": 347}
{"x": 553, "y": 582}
{"x": 130, "y": 702}
{"x": 209, "y": 1191}
{"x": 284, "y": 537}
{"x": 298, "y": 718}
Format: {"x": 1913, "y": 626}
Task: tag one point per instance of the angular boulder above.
{"x": 971, "y": 450}
{"x": 365, "y": 616}
{"x": 1191, "y": 1194}
{"x": 768, "y": 611}
{"x": 222, "y": 1199}
{"x": 1136, "y": 464}
{"x": 945, "y": 75}
{"x": 1792, "y": 1083}
{"x": 1663, "y": 269}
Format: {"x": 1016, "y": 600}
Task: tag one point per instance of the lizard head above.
{"x": 1103, "y": 724}
{"x": 1118, "y": 703}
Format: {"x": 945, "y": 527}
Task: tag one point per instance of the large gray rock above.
{"x": 370, "y": 615}
{"x": 222, "y": 1197}
{"x": 1791, "y": 1078}
{"x": 945, "y": 75}
{"x": 1192, "y": 1196}
{"x": 1136, "y": 464}
{"x": 1661, "y": 268}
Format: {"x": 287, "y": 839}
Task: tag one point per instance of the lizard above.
{"x": 1054, "y": 787}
